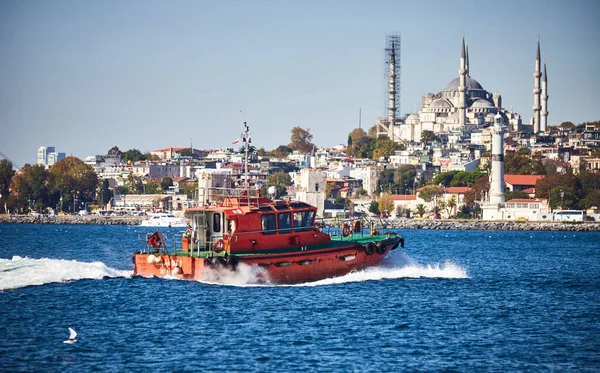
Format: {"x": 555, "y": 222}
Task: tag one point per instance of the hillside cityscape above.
{"x": 434, "y": 162}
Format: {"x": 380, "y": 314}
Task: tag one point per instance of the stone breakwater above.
{"x": 396, "y": 224}
{"x": 99, "y": 220}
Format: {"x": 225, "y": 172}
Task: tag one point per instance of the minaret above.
{"x": 544, "y": 114}
{"x": 467, "y": 57}
{"x": 462, "y": 85}
{"x": 392, "y": 92}
{"x": 497, "y": 176}
{"x": 537, "y": 74}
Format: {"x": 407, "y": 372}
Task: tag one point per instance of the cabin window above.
{"x": 268, "y": 224}
{"x": 216, "y": 223}
{"x": 284, "y": 222}
{"x": 303, "y": 221}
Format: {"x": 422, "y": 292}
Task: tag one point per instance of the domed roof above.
{"x": 413, "y": 116}
{"x": 441, "y": 103}
{"x": 481, "y": 103}
{"x": 470, "y": 83}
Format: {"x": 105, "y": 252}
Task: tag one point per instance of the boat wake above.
{"x": 19, "y": 272}
{"x": 397, "y": 266}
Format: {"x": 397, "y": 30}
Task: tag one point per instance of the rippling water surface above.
{"x": 452, "y": 300}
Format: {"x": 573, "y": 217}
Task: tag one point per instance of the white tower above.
{"x": 544, "y": 114}
{"x": 462, "y": 85}
{"x": 497, "y": 176}
{"x": 537, "y": 74}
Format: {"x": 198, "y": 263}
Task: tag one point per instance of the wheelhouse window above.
{"x": 303, "y": 220}
{"x": 284, "y": 222}
{"x": 268, "y": 224}
{"x": 217, "y": 223}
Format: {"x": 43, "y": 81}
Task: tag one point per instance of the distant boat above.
{"x": 163, "y": 219}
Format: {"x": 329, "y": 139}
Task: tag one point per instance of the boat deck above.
{"x": 336, "y": 241}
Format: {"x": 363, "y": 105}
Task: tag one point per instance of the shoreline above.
{"x": 71, "y": 219}
{"x": 395, "y": 224}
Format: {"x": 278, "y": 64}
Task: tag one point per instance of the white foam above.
{"x": 20, "y": 272}
{"x": 244, "y": 275}
{"x": 396, "y": 266}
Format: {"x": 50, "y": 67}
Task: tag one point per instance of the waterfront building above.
{"x": 310, "y": 187}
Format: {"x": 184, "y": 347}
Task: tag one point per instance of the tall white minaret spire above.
{"x": 544, "y": 114}
{"x": 467, "y": 58}
{"x": 392, "y": 92}
{"x": 537, "y": 74}
{"x": 497, "y": 194}
{"x": 462, "y": 85}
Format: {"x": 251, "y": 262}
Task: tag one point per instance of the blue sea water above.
{"x": 450, "y": 301}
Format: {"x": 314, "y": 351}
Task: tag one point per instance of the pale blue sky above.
{"x": 84, "y": 76}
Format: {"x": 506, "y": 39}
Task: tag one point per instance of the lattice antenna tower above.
{"x": 392, "y": 77}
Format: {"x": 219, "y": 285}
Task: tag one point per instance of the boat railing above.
{"x": 346, "y": 228}
{"x": 243, "y": 196}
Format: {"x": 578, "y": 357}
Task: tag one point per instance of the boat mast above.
{"x": 246, "y": 137}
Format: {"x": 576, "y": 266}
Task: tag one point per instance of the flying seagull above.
{"x": 72, "y": 336}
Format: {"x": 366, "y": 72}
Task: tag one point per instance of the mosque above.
{"x": 464, "y": 106}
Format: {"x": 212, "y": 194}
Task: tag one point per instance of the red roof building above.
{"x": 521, "y": 182}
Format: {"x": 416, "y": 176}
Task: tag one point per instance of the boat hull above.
{"x": 285, "y": 268}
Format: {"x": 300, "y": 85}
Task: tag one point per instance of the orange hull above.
{"x": 288, "y": 268}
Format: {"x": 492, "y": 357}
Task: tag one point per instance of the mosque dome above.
{"x": 482, "y": 104}
{"x": 470, "y": 84}
{"x": 441, "y": 103}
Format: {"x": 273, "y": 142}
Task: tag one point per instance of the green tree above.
{"x": 132, "y": 155}
{"x": 544, "y": 185}
{"x": 6, "y": 175}
{"x": 386, "y": 203}
{"x": 518, "y": 164}
{"x": 73, "y": 179}
{"x": 477, "y": 189}
{"x": 465, "y": 178}
{"x": 567, "y": 125}
{"x": 563, "y": 198}
{"x": 153, "y": 187}
{"x": 358, "y": 143}
{"x": 444, "y": 178}
{"x": 104, "y": 194}
{"x": 279, "y": 180}
{"x": 374, "y": 207}
{"x": 517, "y": 194}
{"x": 166, "y": 182}
{"x": 148, "y": 156}
{"x": 397, "y": 181}
{"x": 384, "y": 148}
{"x": 134, "y": 184}
{"x": 360, "y": 192}
{"x": 300, "y": 140}
{"x": 431, "y": 193}
{"x": 590, "y": 200}
{"x": 281, "y": 151}
{"x": 420, "y": 210}
{"x": 190, "y": 189}
{"x": 427, "y": 137}
{"x": 450, "y": 205}
{"x": 30, "y": 188}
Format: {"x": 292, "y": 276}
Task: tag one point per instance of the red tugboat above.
{"x": 279, "y": 236}
{"x": 240, "y": 227}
